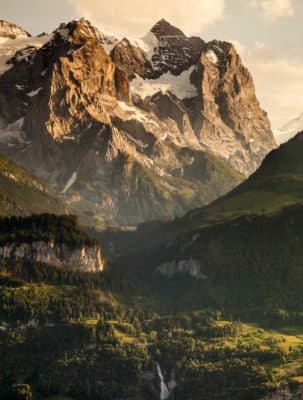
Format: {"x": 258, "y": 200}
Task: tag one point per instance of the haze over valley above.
{"x": 151, "y": 200}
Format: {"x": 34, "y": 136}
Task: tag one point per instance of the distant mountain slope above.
{"x": 289, "y": 130}
{"x": 22, "y": 194}
{"x": 8, "y": 30}
{"x": 251, "y": 264}
{"x": 276, "y": 184}
{"x": 244, "y": 250}
{"x": 130, "y": 130}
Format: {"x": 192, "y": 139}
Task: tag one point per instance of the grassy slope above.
{"x": 22, "y": 194}
{"x": 277, "y": 183}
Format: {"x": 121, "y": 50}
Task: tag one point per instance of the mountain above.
{"x": 244, "y": 249}
{"x": 130, "y": 130}
{"x": 9, "y": 30}
{"x": 276, "y": 184}
{"x": 289, "y": 130}
{"x": 23, "y": 194}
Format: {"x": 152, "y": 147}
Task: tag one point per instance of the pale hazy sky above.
{"x": 267, "y": 33}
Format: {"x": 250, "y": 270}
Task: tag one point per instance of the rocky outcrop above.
{"x": 130, "y": 58}
{"x": 132, "y": 130}
{"x": 175, "y": 52}
{"x": 228, "y": 119}
{"x": 164, "y": 49}
{"x": 85, "y": 259}
{"x": 56, "y": 240}
{"x": 190, "y": 267}
{"x": 9, "y": 30}
{"x": 290, "y": 392}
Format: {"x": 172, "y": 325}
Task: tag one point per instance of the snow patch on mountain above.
{"x": 11, "y": 31}
{"x": 147, "y": 43}
{"x": 70, "y": 182}
{"x": 212, "y": 56}
{"x": 180, "y": 85}
{"x": 9, "y": 47}
{"x": 34, "y": 92}
{"x": 136, "y": 113}
{"x": 137, "y": 142}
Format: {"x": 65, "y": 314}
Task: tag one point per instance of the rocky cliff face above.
{"x": 189, "y": 267}
{"x": 228, "y": 119}
{"x": 286, "y": 393}
{"x": 131, "y": 130}
{"x": 85, "y": 259}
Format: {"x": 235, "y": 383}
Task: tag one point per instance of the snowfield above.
{"x": 180, "y": 85}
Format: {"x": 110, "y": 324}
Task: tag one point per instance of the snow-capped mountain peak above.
{"x": 163, "y": 28}
{"x": 163, "y": 115}
{"x": 81, "y": 30}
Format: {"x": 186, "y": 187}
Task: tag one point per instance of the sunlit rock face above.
{"x": 228, "y": 118}
{"x": 130, "y": 130}
{"x": 9, "y": 30}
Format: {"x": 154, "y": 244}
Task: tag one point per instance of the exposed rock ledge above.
{"x": 86, "y": 258}
{"x": 191, "y": 267}
{"x": 293, "y": 392}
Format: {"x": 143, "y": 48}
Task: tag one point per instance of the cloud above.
{"x": 133, "y": 17}
{"x": 274, "y": 9}
{"x": 279, "y": 81}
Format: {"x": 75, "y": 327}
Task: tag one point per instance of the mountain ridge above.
{"x": 80, "y": 106}
{"x": 10, "y": 30}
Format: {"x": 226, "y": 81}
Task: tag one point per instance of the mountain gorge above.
{"x": 130, "y": 130}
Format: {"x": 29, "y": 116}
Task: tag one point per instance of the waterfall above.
{"x": 164, "y": 393}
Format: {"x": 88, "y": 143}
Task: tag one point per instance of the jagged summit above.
{"x": 137, "y": 129}
{"x": 164, "y": 28}
{"x": 79, "y": 31}
{"x": 11, "y": 31}
{"x": 165, "y": 49}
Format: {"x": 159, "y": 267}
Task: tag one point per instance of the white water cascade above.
{"x": 164, "y": 393}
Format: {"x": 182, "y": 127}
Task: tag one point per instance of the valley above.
{"x": 151, "y": 230}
